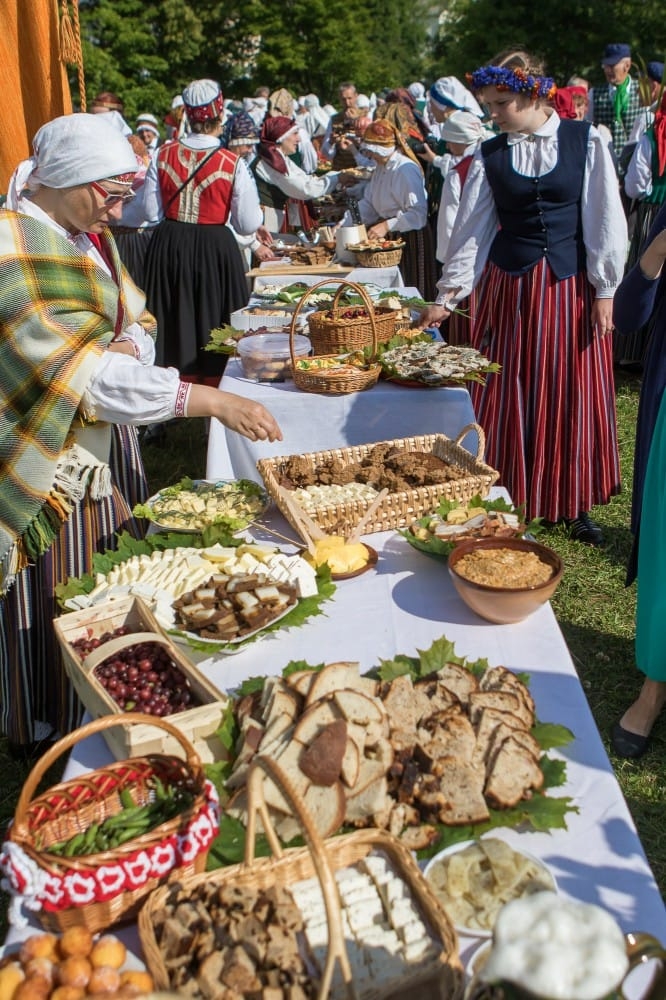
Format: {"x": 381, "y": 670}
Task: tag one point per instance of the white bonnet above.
{"x": 449, "y": 92}
{"x": 417, "y": 90}
{"x": 462, "y": 127}
{"x": 200, "y": 92}
{"x": 79, "y": 148}
{"x": 362, "y": 101}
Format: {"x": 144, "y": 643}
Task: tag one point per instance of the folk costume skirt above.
{"x": 418, "y": 266}
{"x": 195, "y": 279}
{"x": 33, "y": 682}
{"x": 651, "y": 593}
{"x": 549, "y": 415}
{"x": 631, "y": 348}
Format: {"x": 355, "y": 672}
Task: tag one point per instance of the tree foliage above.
{"x": 569, "y": 36}
{"x": 148, "y": 50}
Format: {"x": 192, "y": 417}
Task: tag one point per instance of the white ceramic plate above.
{"x": 544, "y": 873}
{"x": 234, "y": 645}
{"x": 219, "y": 487}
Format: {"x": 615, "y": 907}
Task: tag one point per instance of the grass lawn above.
{"x": 594, "y": 608}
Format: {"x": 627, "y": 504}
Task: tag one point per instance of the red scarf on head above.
{"x": 660, "y": 134}
{"x": 268, "y": 148}
{"x": 563, "y": 102}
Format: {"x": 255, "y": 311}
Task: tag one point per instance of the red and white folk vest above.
{"x": 206, "y": 199}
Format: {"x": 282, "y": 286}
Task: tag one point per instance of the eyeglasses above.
{"x": 112, "y": 199}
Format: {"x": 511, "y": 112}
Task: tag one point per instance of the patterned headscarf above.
{"x": 385, "y": 136}
{"x": 273, "y": 131}
{"x": 239, "y": 130}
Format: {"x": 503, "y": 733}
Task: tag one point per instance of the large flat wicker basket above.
{"x": 99, "y": 890}
{"x": 439, "y": 977}
{"x": 397, "y": 510}
{"x": 335, "y": 334}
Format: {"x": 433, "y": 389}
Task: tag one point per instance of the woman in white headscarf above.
{"x": 76, "y": 362}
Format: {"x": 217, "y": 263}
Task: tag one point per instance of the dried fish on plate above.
{"x": 435, "y": 364}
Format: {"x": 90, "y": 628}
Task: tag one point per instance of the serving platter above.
{"x": 194, "y": 504}
{"x": 435, "y": 364}
{"x": 501, "y": 520}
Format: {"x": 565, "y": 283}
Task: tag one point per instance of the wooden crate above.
{"x": 198, "y": 723}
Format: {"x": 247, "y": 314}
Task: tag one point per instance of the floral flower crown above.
{"x": 516, "y": 80}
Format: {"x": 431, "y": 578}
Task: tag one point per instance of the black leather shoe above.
{"x": 626, "y": 744}
{"x": 584, "y": 529}
{"x": 154, "y": 434}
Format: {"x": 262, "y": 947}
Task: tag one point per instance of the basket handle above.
{"x": 481, "y": 438}
{"x": 97, "y": 726}
{"x": 359, "y": 289}
{"x": 113, "y": 646}
{"x": 262, "y": 766}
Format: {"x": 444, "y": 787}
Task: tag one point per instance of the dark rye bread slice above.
{"x": 512, "y": 775}
{"x": 454, "y": 793}
{"x": 505, "y": 701}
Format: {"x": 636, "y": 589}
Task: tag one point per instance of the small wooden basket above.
{"x": 99, "y": 890}
{"x": 441, "y": 976}
{"x": 199, "y": 723}
{"x": 335, "y": 334}
{"x": 329, "y": 381}
{"x": 379, "y": 258}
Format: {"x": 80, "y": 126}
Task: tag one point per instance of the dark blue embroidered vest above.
{"x": 539, "y": 216}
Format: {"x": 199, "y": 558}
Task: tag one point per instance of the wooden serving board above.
{"x": 257, "y": 272}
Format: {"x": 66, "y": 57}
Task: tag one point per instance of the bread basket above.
{"x": 340, "y": 379}
{"x": 103, "y": 889}
{"x": 440, "y": 975}
{"x": 336, "y": 333}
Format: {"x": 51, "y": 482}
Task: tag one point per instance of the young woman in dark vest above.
{"x": 541, "y": 214}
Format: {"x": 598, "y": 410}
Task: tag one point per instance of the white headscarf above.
{"x": 449, "y": 92}
{"x": 463, "y": 127}
{"x": 70, "y": 150}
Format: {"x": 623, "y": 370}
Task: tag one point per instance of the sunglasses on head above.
{"x": 111, "y": 199}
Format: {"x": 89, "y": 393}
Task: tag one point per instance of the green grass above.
{"x": 594, "y": 608}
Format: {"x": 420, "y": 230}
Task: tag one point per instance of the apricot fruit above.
{"x": 103, "y": 980}
{"x": 136, "y": 982}
{"x": 39, "y": 946}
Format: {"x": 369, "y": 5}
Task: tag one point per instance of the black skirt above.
{"x": 194, "y": 279}
{"x": 132, "y": 246}
{"x": 418, "y": 266}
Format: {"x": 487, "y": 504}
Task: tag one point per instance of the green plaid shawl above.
{"x": 58, "y": 313}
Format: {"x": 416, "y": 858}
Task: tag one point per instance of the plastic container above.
{"x": 265, "y": 357}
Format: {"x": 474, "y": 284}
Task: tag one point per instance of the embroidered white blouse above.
{"x": 395, "y": 194}
{"x": 603, "y": 220}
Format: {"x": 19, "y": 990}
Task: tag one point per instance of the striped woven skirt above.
{"x": 418, "y": 265}
{"x": 33, "y": 683}
{"x": 549, "y": 416}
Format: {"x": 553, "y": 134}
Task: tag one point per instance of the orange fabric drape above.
{"x": 33, "y": 80}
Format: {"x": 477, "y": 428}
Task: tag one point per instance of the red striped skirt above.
{"x": 549, "y": 416}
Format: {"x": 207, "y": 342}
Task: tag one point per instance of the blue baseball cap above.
{"x": 614, "y": 52}
{"x": 655, "y": 71}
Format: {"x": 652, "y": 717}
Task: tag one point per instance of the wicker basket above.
{"x": 397, "y": 510}
{"x": 99, "y": 890}
{"x": 334, "y": 334}
{"x": 379, "y": 258}
{"x": 440, "y": 976}
{"x": 330, "y": 381}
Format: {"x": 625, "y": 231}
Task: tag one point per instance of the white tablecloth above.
{"x": 403, "y": 606}
{"x": 383, "y": 277}
{"x": 315, "y": 422}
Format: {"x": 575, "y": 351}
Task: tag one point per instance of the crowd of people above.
{"x": 514, "y": 198}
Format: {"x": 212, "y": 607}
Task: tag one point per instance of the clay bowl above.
{"x": 503, "y": 605}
